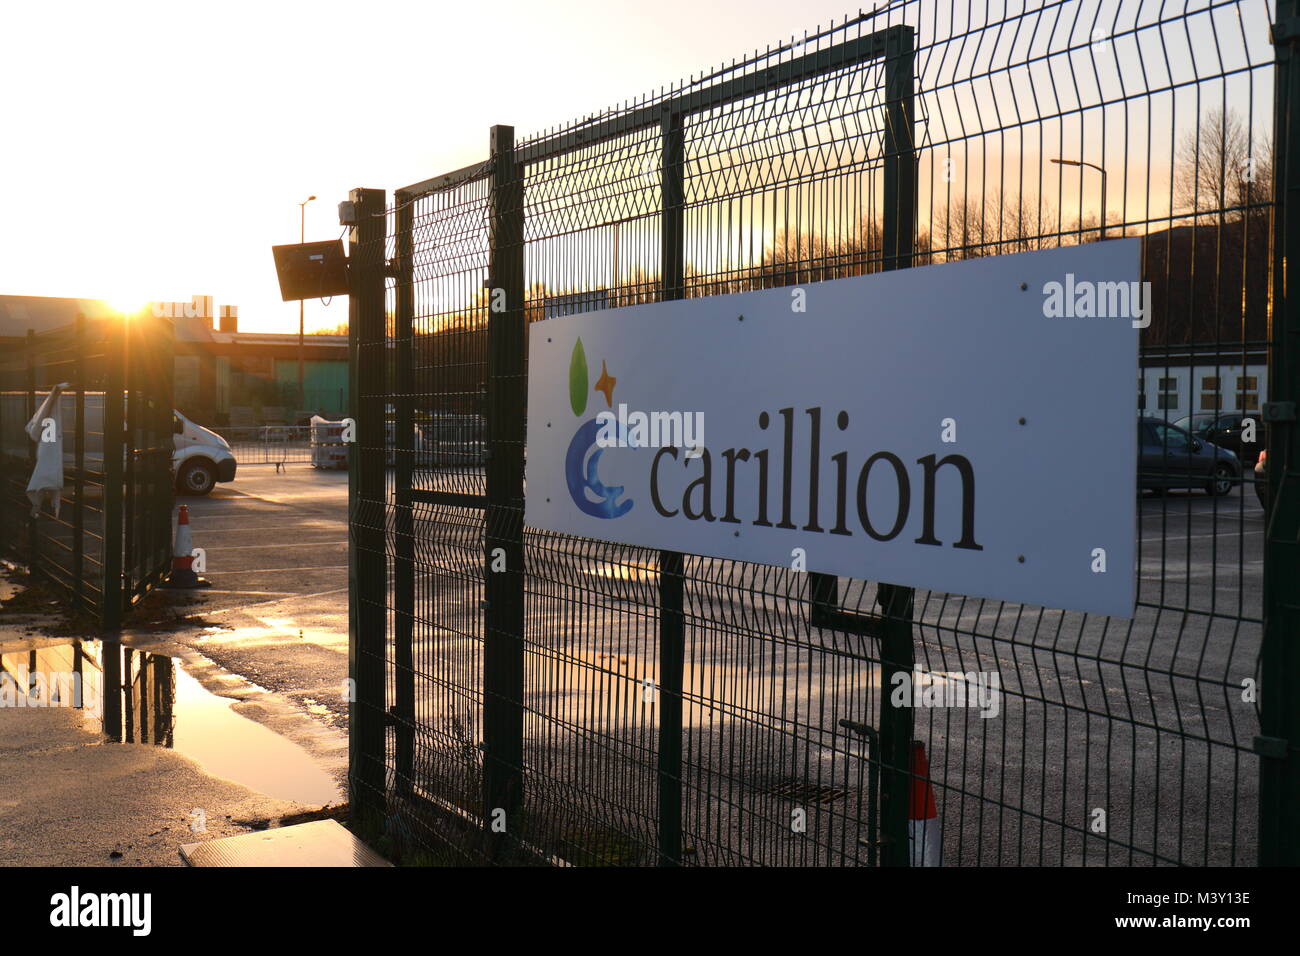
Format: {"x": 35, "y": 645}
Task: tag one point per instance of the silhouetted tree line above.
{"x": 1209, "y": 269}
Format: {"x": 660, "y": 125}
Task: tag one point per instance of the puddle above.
{"x": 230, "y": 745}
{"x": 274, "y": 631}
{"x": 315, "y": 707}
{"x": 162, "y": 705}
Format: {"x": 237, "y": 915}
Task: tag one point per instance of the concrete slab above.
{"x": 319, "y": 843}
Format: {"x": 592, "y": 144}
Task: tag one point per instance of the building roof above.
{"x": 197, "y": 330}
{"x": 18, "y": 313}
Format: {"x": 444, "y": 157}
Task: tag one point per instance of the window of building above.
{"x": 1168, "y": 397}
{"x": 1211, "y": 397}
{"x": 1248, "y": 393}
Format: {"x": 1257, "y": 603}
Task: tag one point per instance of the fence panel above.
{"x": 106, "y": 536}
{"x": 678, "y": 709}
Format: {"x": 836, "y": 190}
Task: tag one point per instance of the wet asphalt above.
{"x": 275, "y": 549}
{"x": 1171, "y": 766}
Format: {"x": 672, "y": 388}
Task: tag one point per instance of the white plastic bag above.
{"x": 46, "y": 429}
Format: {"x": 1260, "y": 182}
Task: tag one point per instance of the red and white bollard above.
{"x": 924, "y": 833}
{"x": 182, "y": 573}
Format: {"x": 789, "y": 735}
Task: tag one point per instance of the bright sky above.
{"x": 157, "y": 150}
{"x": 152, "y": 151}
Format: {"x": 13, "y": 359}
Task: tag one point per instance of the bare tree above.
{"x": 962, "y": 230}
{"x": 1022, "y": 223}
{"x": 794, "y": 258}
{"x": 1222, "y": 167}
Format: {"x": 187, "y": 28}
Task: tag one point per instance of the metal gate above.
{"x": 523, "y": 696}
{"x": 109, "y": 540}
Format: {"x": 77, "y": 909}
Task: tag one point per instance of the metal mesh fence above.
{"x": 918, "y": 135}
{"x": 105, "y": 535}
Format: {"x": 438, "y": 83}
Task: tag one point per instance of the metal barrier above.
{"x": 499, "y": 712}
{"x": 106, "y": 536}
{"x": 268, "y": 444}
{"x": 439, "y": 439}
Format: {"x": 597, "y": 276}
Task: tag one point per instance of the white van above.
{"x": 200, "y": 458}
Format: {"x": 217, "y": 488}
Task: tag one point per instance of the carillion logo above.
{"x": 581, "y": 463}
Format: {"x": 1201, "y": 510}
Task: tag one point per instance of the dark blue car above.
{"x": 1170, "y": 457}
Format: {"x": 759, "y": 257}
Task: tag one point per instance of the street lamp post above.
{"x": 1080, "y": 162}
{"x": 302, "y": 238}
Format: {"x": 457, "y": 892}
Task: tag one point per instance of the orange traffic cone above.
{"x": 183, "y": 575}
{"x": 925, "y": 835}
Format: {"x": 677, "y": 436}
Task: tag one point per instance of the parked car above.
{"x": 200, "y": 457}
{"x": 1225, "y": 430}
{"x": 1171, "y": 457}
{"x": 1261, "y": 481}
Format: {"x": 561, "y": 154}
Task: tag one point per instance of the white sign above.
{"x": 969, "y": 427}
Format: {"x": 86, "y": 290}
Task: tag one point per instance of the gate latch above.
{"x": 1279, "y": 412}
{"x": 1285, "y": 31}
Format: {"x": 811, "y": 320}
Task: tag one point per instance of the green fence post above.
{"x": 503, "y": 622}
{"x": 110, "y": 611}
{"x": 133, "y": 397}
{"x": 78, "y": 479}
{"x": 900, "y": 180}
{"x": 897, "y": 653}
{"x": 404, "y": 519}
{"x": 367, "y": 562}
{"x": 165, "y": 496}
{"x": 897, "y": 656}
{"x": 33, "y": 552}
{"x": 1278, "y": 743}
{"x": 672, "y": 564}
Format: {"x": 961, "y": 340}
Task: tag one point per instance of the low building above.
{"x": 1206, "y": 348}
{"x": 223, "y": 376}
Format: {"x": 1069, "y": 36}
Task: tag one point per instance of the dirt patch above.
{"x": 168, "y": 611}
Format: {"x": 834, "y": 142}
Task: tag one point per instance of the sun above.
{"x": 126, "y": 304}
